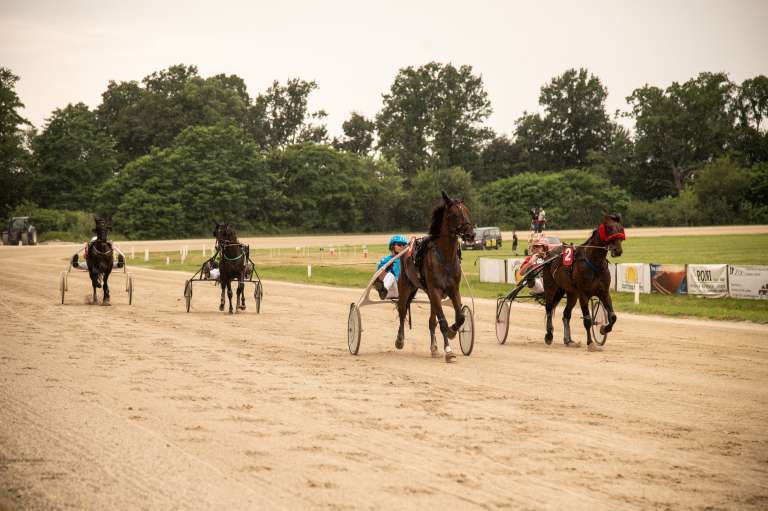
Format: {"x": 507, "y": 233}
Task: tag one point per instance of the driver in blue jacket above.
{"x": 386, "y": 284}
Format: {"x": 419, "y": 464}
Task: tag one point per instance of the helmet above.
{"x": 397, "y": 239}
{"x": 540, "y": 242}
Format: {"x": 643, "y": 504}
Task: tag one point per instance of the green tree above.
{"x": 572, "y": 198}
{"x": 358, "y": 135}
{"x": 14, "y": 158}
{"x": 72, "y": 158}
{"x": 499, "y": 159}
{"x": 279, "y": 117}
{"x": 433, "y": 117}
{"x": 681, "y": 128}
{"x": 170, "y": 101}
{"x": 208, "y": 174}
{"x": 751, "y": 109}
{"x": 574, "y": 123}
{"x": 425, "y": 193}
{"x": 722, "y": 190}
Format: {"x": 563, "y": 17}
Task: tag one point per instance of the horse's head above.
{"x": 611, "y": 233}
{"x": 102, "y": 229}
{"x": 457, "y": 218}
{"x": 225, "y": 233}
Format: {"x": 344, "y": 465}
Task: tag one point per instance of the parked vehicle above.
{"x": 20, "y": 230}
{"x": 486, "y": 238}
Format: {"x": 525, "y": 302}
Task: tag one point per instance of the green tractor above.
{"x": 20, "y": 231}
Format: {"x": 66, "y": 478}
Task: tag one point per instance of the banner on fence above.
{"x": 748, "y": 282}
{"x": 668, "y": 279}
{"x": 627, "y": 275}
{"x": 707, "y": 280}
{"x": 513, "y": 268}
{"x": 492, "y": 270}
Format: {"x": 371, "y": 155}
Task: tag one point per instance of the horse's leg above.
{"x": 405, "y": 295}
{"x": 605, "y": 297}
{"x": 571, "y": 302}
{"x": 550, "y": 308}
{"x": 241, "y": 293}
{"x": 94, "y": 282}
{"x": 432, "y": 338}
{"x": 223, "y": 288}
{"x": 455, "y": 297}
{"x": 105, "y": 300}
{"x": 435, "y": 301}
{"x": 584, "y": 303}
{"x": 229, "y": 295}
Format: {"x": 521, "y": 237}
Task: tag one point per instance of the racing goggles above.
{"x": 617, "y": 235}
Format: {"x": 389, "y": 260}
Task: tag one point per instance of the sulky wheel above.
{"x": 130, "y": 289}
{"x": 62, "y": 285}
{"x": 188, "y": 293}
{"x": 467, "y": 332}
{"x": 503, "y": 307}
{"x": 354, "y": 329}
{"x": 599, "y": 318}
{"x": 258, "y": 294}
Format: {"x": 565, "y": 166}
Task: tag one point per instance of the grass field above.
{"x": 349, "y": 268}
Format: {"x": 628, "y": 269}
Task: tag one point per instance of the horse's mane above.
{"x": 437, "y": 220}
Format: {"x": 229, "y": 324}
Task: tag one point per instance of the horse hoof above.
{"x": 604, "y": 330}
{"x": 106, "y": 304}
{"x": 548, "y": 338}
{"x": 221, "y": 308}
{"x": 450, "y": 357}
{"x": 572, "y": 344}
{"x": 399, "y": 344}
{"x": 594, "y": 347}
{"x": 231, "y": 311}
{"x": 451, "y": 333}
{"x": 434, "y": 350}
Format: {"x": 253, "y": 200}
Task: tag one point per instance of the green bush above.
{"x": 59, "y": 224}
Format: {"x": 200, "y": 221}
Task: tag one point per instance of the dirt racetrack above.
{"x": 148, "y": 407}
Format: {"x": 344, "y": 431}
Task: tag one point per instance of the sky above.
{"x": 67, "y": 51}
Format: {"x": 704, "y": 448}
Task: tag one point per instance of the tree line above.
{"x": 175, "y": 152}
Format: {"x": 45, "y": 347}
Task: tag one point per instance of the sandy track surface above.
{"x": 381, "y": 239}
{"x": 148, "y": 407}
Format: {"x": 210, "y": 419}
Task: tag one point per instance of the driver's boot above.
{"x": 379, "y": 285}
{"x": 75, "y": 263}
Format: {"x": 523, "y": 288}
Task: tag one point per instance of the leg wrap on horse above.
{"x": 443, "y": 326}
{"x": 459, "y": 320}
{"x": 587, "y": 323}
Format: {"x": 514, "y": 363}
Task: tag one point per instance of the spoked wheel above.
{"x": 258, "y": 293}
{"x": 188, "y": 293}
{"x": 467, "y": 332}
{"x": 129, "y": 285}
{"x": 62, "y": 284}
{"x": 503, "y": 307}
{"x": 599, "y": 318}
{"x": 354, "y": 329}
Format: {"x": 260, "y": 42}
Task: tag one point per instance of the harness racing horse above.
{"x": 587, "y": 277}
{"x": 234, "y": 256}
{"x": 98, "y": 258}
{"x": 436, "y": 268}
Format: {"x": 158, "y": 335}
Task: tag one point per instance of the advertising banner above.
{"x": 668, "y": 279}
{"x": 513, "y": 265}
{"x": 748, "y": 282}
{"x": 492, "y": 270}
{"x": 707, "y": 280}
{"x": 627, "y": 275}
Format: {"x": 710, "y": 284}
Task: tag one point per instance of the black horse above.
{"x": 589, "y": 276}
{"x": 233, "y": 266}
{"x": 99, "y": 258}
{"x": 436, "y": 268}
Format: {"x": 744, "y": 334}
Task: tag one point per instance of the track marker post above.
{"x": 146, "y": 254}
{"x": 167, "y": 260}
{"x": 637, "y": 293}
{"x": 133, "y": 252}
{"x": 309, "y": 271}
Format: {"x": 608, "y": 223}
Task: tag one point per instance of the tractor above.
{"x": 20, "y": 231}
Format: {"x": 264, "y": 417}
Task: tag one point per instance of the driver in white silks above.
{"x": 386, "y": 284}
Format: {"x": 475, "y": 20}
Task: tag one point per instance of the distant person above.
{"x": 514, "y": 242}
{"x": 534, "y": 219}
{"x": 386, "y": 284}
{"x": 542, "y": 219}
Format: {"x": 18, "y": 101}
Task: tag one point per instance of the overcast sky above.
{"x": 66, "y": 51}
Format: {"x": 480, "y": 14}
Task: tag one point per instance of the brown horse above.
{"x": 234, "y": 256}
{"x": 588, "y": 276}
{"x": 437, "y": 271}
{"x": 99, "y": 258}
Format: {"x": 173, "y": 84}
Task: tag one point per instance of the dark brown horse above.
{"x": 234, "y": 256}
{"x": 588, "y": 276}
{"x": 99, "y": 258}
{"x": 437, "y": 272}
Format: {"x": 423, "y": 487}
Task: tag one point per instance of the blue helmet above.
{"x": 397, "y": 239}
